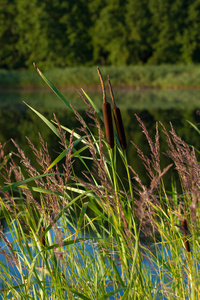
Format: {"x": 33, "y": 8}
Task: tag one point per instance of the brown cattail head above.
{"x": 108, "y": 124}
{"x": 42, "y": 239}
{"x": 107, "y": 114}
{"x": 118, "y": 119}
{"x": 120, "y": 127}
{"x": 185, "y": 229}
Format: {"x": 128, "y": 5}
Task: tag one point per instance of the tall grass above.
{"x": 86, "y": 236}
{"x": 162, "y": 76}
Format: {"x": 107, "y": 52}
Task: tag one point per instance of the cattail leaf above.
{"x": 82, "y": 192}
{"x": 19, "y": 286}
{"x": 32, "y": 270}
{"x": 40, "y": 190}
{"x": 97, "y": 211}
{"x": 63, "y": 154}
{"x": 54, "y": 89}
{"x": 80, "y": 150}
{"x": 66, "y": 208}
{"x": 195, "y": 127}
{"x": 124, "y": 297}
{"x": 118, "y": 277}
{"x": 112, "y": 293}
{"x": 65, "y": 243}
{"x": 17, "y": 184}
{"x": 45, "y": 120}
{"x": 78, "y": 136}
{"x": 54, "y": 129}
{"x": 7, "y": 159}
{"x": 93, "y": 105}
{"x": 80, "y": 220}
{"x": 80, "y": 295}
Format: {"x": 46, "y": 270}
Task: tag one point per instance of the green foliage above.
{"x": 8, "y": 37}
{"x": 190, "y": 39}
{"x": 73, "y": 33}
{"x": 109, "y": 34}
{"x": 22, "y": 33}
{"x": 167, "y": 26}
{"x": 139, "y": 77}
{"x": 139, "y": 36}
{"x": 54, "y": 216}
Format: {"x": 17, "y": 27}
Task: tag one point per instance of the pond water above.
{"x": 88, "y": 249}
{"x": 176, "y": 106}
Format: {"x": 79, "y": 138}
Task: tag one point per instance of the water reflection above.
{"x": 83, "y": 253}
{"x": 17, "y": 121}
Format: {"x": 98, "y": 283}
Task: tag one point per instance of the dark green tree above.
{"x": 167, "y": 29}
{"x": 22, "y": 33}
{"x": 76, "y": 40}
{"x": 8, "y": 35}
{"x": 109, "y": 36}
{"x": 138, "y": 24}
{"x": 191, "y": 39}
{"x": 32, "y": 43}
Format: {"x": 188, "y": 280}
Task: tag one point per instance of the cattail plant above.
{"x": 107, "y": 115}
{"x": 118, "y": 119}
{"x": 185, "y": 229}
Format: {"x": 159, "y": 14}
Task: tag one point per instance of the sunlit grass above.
{"x": 163, "y": 76}
{"x": 98, "y": 236}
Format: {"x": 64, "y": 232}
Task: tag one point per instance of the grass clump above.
{"x": 96, "y": 235}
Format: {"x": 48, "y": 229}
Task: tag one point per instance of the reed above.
{"x": 107, "y": 115}
{"x": 118, "y": 119}
{"x": 102, "y": 240}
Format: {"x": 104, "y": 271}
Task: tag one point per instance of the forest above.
{"x": 57, "y": 33}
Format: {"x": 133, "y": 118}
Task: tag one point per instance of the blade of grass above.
{"x": 62, "y": 155}
{"x": 45, "y": 120}
{"x": 17, "y": 184}
{"x": 195, "y": 127}
{"x": 112, "y": 293}
{"x": 40, "y": 190}
{"x": 54, "y": 89}
{"x": 93, "y": 105}
{"x": 80, "y": 220}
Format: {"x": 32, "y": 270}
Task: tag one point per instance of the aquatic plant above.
{"x": 94, "y": 234}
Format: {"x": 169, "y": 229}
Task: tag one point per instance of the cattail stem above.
{"x": 107, "y": 115}
{"x": 111, "y": 92}
{"x": 118, "y": 119}
{"x": 185, "y": 229}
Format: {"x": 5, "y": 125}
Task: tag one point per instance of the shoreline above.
{"x": 146, "y": 77}
{"x": 97, "y": 88}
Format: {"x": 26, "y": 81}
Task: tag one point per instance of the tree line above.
{"x": 57, "y": 33}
